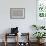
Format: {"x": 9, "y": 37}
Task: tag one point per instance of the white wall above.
{"x": 23, "y": 24}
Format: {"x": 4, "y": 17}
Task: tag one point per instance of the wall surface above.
{"x": 23, "y": 24}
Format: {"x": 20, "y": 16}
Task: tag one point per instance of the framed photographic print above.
{"x": 17, "y": 13}
{"x": 41, "y": 8}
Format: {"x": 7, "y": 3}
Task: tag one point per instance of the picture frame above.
{"x": 17, "y": 13}
{"x": 41, "y": 8}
